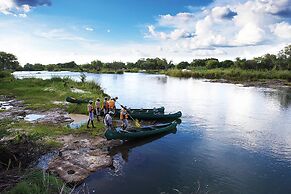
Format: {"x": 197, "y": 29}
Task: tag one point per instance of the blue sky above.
{"x": 51, "y": 31}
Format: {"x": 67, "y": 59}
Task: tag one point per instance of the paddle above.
{"x": 137, "y": 124}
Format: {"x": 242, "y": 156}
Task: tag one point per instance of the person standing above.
{"x": 98, "y": 108}
{"x": 91, "y": 113}
{"x": 112, "y": 106}
{"x": 108, "y": 120}
{"x": 105, "y": 106}
{"x": 124, "y": 118}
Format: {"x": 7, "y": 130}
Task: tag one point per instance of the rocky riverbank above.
{"x": 76, "y": 156}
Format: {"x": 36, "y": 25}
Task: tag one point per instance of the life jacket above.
{"x": 111, "y": 104}
{"x": 105, "y": 104}
{"x": 123, "y": 114}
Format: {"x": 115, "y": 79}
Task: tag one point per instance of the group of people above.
{"x": 108, "y": 110}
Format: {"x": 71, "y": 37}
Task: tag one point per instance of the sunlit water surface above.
{"x": 232, "y": 139}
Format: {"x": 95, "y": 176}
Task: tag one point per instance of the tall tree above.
{"x": 8, "y": 62}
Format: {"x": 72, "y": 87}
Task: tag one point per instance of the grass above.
{"x": 40, "y": 94}
{"x": 4, "y": 126}
{"x": 38, "y": 182}
{"x": 37, "y": 131}
{"x": 233, "y": 74}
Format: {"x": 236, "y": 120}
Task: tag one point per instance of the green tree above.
{"x": 183, "y": 65}
{"x": 28, "y": 67}
{"x": 284, "y": 58}
{"x": 212, "y": 63}
{"x": 198, "y": 63}
{"x": 9, "y": 62}
{"x": 96, "y": 64}
{"x": 226, "y": 64}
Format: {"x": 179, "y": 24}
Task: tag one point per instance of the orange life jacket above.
{"x": 123, "y": 114}
{"x": 111, "y": 104}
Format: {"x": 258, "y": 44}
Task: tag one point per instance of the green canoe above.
{"x": 140, "y": 132}
{"x": 155, "y": 116}
{"x": 144, "y": 110}
{"x": 75, "y": 100}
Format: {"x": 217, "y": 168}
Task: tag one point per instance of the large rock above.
{"x": 80, "y": 156}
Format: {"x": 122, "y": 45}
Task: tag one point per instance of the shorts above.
{"x": 91, "y": 116}
{"x": 98, "y": 111}
{"x": 124, "y": 123}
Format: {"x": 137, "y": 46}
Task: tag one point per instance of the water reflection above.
{"x": 283, "y": 96}
{"x": 127, "y": 146}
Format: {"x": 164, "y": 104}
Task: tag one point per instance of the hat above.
{"x": 90, "y": 101}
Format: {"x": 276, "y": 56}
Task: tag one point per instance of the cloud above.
{"x": 282, "y": 30}
{"x": 223, "y": 13}
{"x": 20, "y": 7}
{"x": 250, "y": 34}
{"x": 59, "y": 34}
{"x": 225, "y": 24}
{"x": 89, "y": 29}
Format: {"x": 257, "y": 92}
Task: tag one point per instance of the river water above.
{"x": 232, "y": 139}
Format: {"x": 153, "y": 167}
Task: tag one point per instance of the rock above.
{"x": 75, "y": 165}
{"x": 67, "y": 171}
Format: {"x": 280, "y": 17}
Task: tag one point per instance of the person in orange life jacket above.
{"x": 112, "y": 106}
{"x": 123, "y": 118}
{"x": 105, "y": 106}
{"x": 91, "y": 113}
{"x": 98, "y": 108}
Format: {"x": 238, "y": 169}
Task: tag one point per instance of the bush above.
{"x": 5, "y": 74}
{"x": 38, "y": 182}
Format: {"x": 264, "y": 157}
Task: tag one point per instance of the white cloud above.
{"x": 225, "y": 24}
{"x": 250, "y": 34}
{"x": 26, "y": 8}
{"x": 22, "y": 15}
{"x": 89, "y": 29}
{"x": 20, "y": 8}
{"x": 6, "y": 6}
{"x": 282, "y": 30}
{"x": 59, "y": 34}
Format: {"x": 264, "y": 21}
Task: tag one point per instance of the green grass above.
{"x": 38, "y": 131}
{"x": 40, "y": 94}
{"x": 38, "y": 182}
{"x": 234, "y": 74}
{"x": 5, "y": 124}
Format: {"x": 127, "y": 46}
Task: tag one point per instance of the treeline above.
{"x": 281, "y": 61}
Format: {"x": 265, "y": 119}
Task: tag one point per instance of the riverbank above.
{"x": 267, "y": 78}
{"x": 34, "y": 120}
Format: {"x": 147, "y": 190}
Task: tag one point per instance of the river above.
{"x": 232, "y": 139}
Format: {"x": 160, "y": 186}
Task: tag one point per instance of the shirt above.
{"x": 107, "y": 120}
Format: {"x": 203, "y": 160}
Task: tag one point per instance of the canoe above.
{"x": 75, "y": 100}
{"x": 141, "y": 132}
{"x": 145, "y": 110}
{"x": 155, "y": 116}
